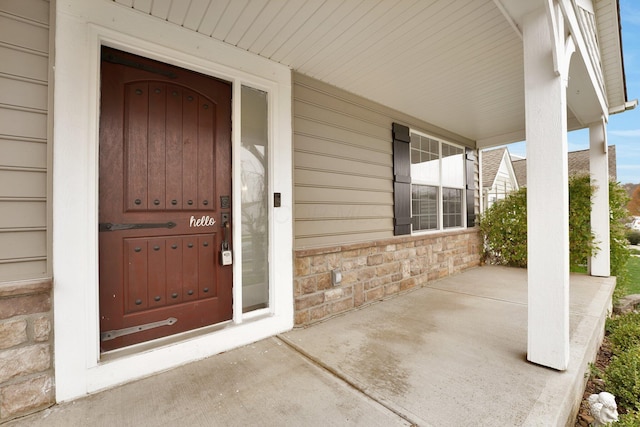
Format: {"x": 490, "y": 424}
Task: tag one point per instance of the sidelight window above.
{"x": 254, "y": 181}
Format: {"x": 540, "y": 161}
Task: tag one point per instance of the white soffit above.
{"x": 455, "y": 64}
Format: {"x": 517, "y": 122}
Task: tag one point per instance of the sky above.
{"x": 623, "y": 130}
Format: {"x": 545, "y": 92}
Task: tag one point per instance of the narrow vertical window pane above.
{"x": 452, "y": 207}
{"x": 424, "y": 204}
{"x": 254, "y": 200}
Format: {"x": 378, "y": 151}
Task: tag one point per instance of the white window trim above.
{"x": 82, "y": 26}
{"x": 440, "y": 228}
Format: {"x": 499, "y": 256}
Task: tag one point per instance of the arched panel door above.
{"x": 165, "y": 209}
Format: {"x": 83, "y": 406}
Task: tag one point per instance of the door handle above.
{"x": 226, "y": 256}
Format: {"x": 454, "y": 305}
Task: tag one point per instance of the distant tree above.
{"x": 628, "y": 187}
{"x": 634, "y": 204}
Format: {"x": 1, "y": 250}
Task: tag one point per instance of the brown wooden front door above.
{"x": 165, "y": 177}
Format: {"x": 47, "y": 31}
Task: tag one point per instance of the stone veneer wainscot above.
{"x": 375, "y": 270}
{"x": 26, "y": 348}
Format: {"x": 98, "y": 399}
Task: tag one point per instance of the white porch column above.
{"x": 599, "y": 264}
{"x": 547, "y": 194}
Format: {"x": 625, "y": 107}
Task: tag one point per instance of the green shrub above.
{"x": 504, "y": 227}
{"x": 614, "y": 323}
{"x": 633, "y": 236}
{"x": 627, "y": 336}
{"x": 630, "y": 419}
{"x": 624, "y": 332}
{"x": 622, "y": 378}
{"x": 618, "y": 214}
{"x": 582, "y": 243}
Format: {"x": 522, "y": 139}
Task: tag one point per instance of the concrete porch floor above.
{"x": 450, "y": 354}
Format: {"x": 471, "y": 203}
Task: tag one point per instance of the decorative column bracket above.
{"x": 564, "y": 47}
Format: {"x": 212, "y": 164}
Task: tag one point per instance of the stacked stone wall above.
{"x": 26, "y": 348}
{"x": 376, "y": 270}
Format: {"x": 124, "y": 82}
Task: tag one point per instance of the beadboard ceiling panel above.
{"x": 161, "y": 8}
{"x": 143, "y": 5}
{"x": 456, "y": 64}
{"x": 178, "y": 11}
{"x": 195, "y": 14}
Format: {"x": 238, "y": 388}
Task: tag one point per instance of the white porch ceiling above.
{"x": 455, "y": 64}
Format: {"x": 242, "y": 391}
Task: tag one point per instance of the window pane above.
{"x": 424, "y": 204}
{"x": 452, "y": 166}
{"x": 255, "y": 218}
{"x": 425, "y": 165}
{"x": 438, "y": 177}
{"x": 452, "y": 207}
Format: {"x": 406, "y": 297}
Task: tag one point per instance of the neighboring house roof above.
{"x": 578, "y": 163}
{"x": 491, "y": 160}
{"x": 520, "y": 169}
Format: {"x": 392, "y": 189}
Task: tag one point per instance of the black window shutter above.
{"x": 470, "y": 160}
{"x": 401, "y": 180}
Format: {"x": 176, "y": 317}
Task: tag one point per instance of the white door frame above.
{"x": 82, "y": 26}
